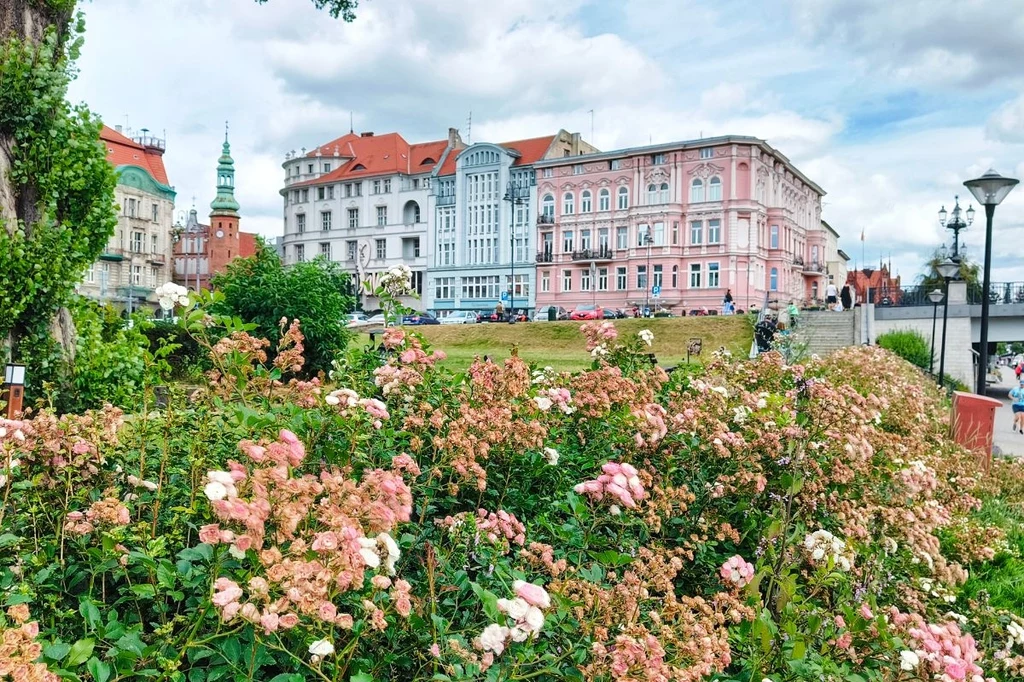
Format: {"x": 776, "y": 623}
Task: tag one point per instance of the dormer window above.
{"x": 428, "y": 162}
{"x": 327, "y": 168}
{"x": 657, "y": 159}
{"x": 359, "y": 167}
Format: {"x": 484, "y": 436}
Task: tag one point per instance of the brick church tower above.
{"x": 224, "y": 239}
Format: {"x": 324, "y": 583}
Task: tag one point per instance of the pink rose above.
{"x": 288, "y": 621}
{"x": 534, "y": 595}
{"x": 210, "y": 534}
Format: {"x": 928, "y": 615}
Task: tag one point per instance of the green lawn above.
{"x": 560, "y": 344}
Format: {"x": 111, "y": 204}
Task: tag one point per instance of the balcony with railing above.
{"x": 545, "y": 257}
{"x": 157, "y": 258}
{"x": 813, "y": 269}
{"x": 545, "y": 219}
{"x": 798, "y": 260}
{"x": 600, "y": 253}
{"x": 445, "y": 199}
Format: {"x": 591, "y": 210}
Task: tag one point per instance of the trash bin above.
{"x": 552, "y": 313}
{"x": 973, "y": 423}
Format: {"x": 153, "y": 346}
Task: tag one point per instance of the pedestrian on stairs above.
{"x": 831, "y": 295}
{"x": 845, "y": 298}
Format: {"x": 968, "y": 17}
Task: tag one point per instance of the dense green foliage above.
{"x": 909, "y": 345}
{"x": 64, "y": 191}
{"x": 260, "y": 290}
{"x": 186, "y": 359}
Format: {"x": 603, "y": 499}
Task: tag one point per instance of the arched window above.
{"x": 604, "y": 200}
{"x": 586, "y": 205}
{"x": 814, "y": 291}
{"x": 696, "y": 191}
{"x": 675, "y": 276}
{"x": 623, "y": 198}
{"x": 568, "y": 204}
{"x": 547, "y": 206}
{"x": 663, "y": 193}
{"x": 652, "y": 194}
{"x": 773, "y": 281}
{"x": 814, "y": 254}
{"x": 715, "y": 189}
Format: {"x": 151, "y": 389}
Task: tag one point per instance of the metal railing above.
{"x": 545, "y": 257}
{"x": 446, "y": 200}
{"x": 603, "y": 253}
{"x": 1000, "y": 293}
{"x": 813, "y": 267}
{"x": 545, "y": 219}
{"x": 798, "y": 260}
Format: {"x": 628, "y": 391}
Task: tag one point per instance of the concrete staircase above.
{"x": 824, "y": 331}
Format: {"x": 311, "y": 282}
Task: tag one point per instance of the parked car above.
{"x": 376, "y": 319}
{"x": 587, "y": 312}
{"x": 610, "y": 313}
{"x": 419, "y": 318}
{"x": 487, "y": 316}
{"x": 355, "y": 319}
{"x": 542, "y": 313}
{"x": 460, "y": 317}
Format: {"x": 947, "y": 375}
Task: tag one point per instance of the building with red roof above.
{"x": 481, "y": 241}
{"x": 202, "y": 251}
{"x": 361, "y": 200}
{"x": 135, "y": 261}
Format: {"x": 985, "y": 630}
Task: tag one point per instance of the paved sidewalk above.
{"x": 1007, "y": 442}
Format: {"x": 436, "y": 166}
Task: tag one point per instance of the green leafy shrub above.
{"x": 186, "y": 356}
{"x": 262, "y": 291}
{"x": 909, "y": 345}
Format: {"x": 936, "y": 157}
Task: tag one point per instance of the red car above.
{"x": 587, "y": 312}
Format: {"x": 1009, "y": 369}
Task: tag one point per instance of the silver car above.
{"x": 460, "y": 317}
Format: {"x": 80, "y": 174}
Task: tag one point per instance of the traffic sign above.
{"x": 656, "y": 291}
{"x": 504, "y": 295}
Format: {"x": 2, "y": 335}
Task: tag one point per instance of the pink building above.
{"x": 687, "y": 220}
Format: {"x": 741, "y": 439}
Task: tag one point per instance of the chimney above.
{"x": 453, "y": 137}
{"x": 576, "y": 142}
{"x": 118, "y": 127}
{"x": 365, "y": 134}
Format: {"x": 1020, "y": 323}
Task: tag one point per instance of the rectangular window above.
{"x": 774, "y": 237}
{"x": 696, "y": 232}
{"x": 137, "y": 242}
{"x": 602, "y": 240}
{"x": 304, "y": 195}
{"x": 90, "y": 274}
{"x": 657, "y": 159}
{"x": 585, "y": 280}
{"x": 350, "y": 249}
{"x": 387, "y": 186}
{"x": 545, "y": 281}
{"x": 548, "y": 172}
{"x": 348, "y": 189}
{"x": 300, "y": 252}
{"x": 615, "y": 164}
{"x": 577, "y": 169}
{"x": 642, "y": 232}
{"x": 382, "y": 216}
{"x": 584, "y": 240}
{"x": 327, "y": 168}
{"x": 641, "y": 277}
{"x": 713, "y": 275}
{"x": 659, "y": 234}
{"x": 566, "y": 280}
{"x": 353, "y": 218}
{"x": 321, "y": 193}
{"x": 156, "y": 212}
{"x": 154, "y": 243}
{"x": 136, "y": 274}
{"x": 622, "y": 237}
{"x": 620, "y": 279}
{"x": 695, "y": 275}
{"x": 675, "y": 233}
{"x": 325, "y": 220}
{"x": 568, "y": 244}
{"x": 714, "y": 231}
{"x": 657, "y": 276}
{"x": 707, "y": 153}
{"x": 381, "y": 248}
{"x": 325, "y": 250}
{"x": 602, "y": 279}
{"x": 310, "y": 168}
{"x": 300, "y": 223}
{"x": 376, "y": 186}
{"x": 330, "y": 192}
{"x": 152, "y": 277}
{"x": 444, "y": 288}
{"x": 358, "y": 188}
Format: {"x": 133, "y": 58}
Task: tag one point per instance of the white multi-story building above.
{"x": 361, "y": 200}
{"x": 481, "y": 245}
{"x": 135, "y": 261}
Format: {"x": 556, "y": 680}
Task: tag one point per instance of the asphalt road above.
{"x": 1006, "y": 441}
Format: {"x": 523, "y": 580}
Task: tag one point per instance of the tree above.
{"x": 970, "y": 272}
{"x": 56, "y": 188}
{"x": 261, "y": 290}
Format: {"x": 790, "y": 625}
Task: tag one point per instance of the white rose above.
{"x": 514, "y": 608}
{"x": 534, "y": 619}
{"x": 543, "y": 403}
{"x": 321, "y": 647}
{"x": 215, "y": 491}
{"x": 551, "y": 456}
{"x": 370, "y": 557}
{"x": 909, "y": 660}
{"x": 493, "y": 638}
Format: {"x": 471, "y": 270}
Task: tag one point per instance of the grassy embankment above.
{"x": 560, "y": 344}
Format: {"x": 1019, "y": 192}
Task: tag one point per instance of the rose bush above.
{"x": 395, "y": 521}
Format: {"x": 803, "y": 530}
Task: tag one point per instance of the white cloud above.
{"x": 1006, "y": 124}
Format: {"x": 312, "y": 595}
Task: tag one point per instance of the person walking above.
{"x": 846, "y": 298}
{"x": 499, "y": 311}
{"x": 831, "y": 295}
{"x": 1017, "y": 396}
{"x": 794, "y": 314}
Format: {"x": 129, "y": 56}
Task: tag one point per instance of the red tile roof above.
{"x": 124, "y": 151}
{"x": 364, "y": 156}
{"x": 530, "y": 151}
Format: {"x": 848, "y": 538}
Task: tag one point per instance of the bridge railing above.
{"x": 1000, "y": 293}
{"x": 912, "y": 295}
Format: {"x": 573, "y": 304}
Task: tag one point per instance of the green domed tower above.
{"x": 225, "y": 204}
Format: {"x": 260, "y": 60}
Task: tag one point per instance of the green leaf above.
{"x": 90, "y": 613}
{"x": 489, "y": 601}
{"x": 145, "y": 590}
{"x": 358, "y": 677}
{"x": 231, "y": 648}
{"x": 56, "y": 651}
{"x": 287, "y": 677}
{"x": 99, "y": 670}
{"x": 80, "y": 652}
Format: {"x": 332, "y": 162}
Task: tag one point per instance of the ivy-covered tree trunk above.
{"x": 56, "y": 187}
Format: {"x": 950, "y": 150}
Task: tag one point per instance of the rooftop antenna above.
{"x": 351, "y": 126}
{"x": 469, "y": 128}
{"x": 591, "y": 126}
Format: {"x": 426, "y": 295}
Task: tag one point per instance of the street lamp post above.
{"x": 990, "y": 189}
{"x": 514, "y": 194}
{"x": 935, "y": 296}
{"x": 947, "y": 270}
{"x": 648, "y": 240}
{"x": 956, "y": 224}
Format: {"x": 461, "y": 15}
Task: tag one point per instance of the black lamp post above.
{"x": 935, "y": 296}
{"x": 649, "y": 241}
{"x": 947, "y": 270}
{"x": 515, "y": 192}
{"x": 956, "y": 224}
{"x": 990, "y": 189}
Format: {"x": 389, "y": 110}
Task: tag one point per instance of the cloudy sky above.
{"x": 888, "y": 105}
